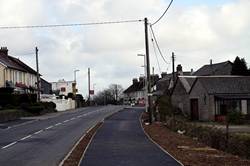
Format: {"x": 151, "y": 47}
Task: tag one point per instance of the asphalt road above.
{"x": 122, "y": 142}
{"x": 46, "y": 141}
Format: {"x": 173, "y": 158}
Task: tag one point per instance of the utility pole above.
{"x": 37, "y": 76}
{"x": 148, "y": 71}
{"x": 89, "y": 83}
{"x": 173, "y": 59}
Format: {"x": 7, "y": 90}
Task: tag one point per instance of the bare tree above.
{"x": 111, "y": 95}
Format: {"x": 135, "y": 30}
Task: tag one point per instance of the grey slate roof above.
{"x": 7, "y": 61}
{"x": 23, "y": 65}
{"x": 226, "y": 84}
{"x": 187, "y": 82}
{"x": 223, "y": 68}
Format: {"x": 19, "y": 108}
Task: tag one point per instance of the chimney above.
{"x": 163, "y": 74}
{"x": 179, "y": 70}
{"x": 135, "y": 80}
{"x": 4, "y": 51}
{"x": 211, "y": 62}
{"x": 192, "y": 72}
{"x": 141, "y": 79}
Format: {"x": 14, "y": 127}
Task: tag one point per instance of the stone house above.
{"x": 213, "y": 96}
{"x": 209, "y": 97}
{"x": 180, "y": 93}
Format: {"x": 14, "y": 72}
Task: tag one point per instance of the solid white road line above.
{"x": 58, "y": 124}
{"x": 38, "y": 132}
{"x": 49, "y": 127}
{"x": 13, "y": 143}
{"x": 24, "y": 138}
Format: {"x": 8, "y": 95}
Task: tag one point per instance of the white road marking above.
{"x": 65, "y": 121}
{"x": 58, "y": 124}
{"x": 24, "y": 138}
{"x": 38, "y": 132}
{"x": 72, "y": 118}
{"x": 13, "y": 143}
{"x": 49, "y": 127}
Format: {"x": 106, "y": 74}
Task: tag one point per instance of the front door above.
{"x": 194, "y": 109}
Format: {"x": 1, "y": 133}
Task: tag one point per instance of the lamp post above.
{"x": 145, "y": 82}
{"x": 74, "y": 84}
{"x": 75, "y": 75}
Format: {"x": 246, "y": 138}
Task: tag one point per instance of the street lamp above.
{"x": 75, "y": 75}
{"x": 145, "y": 82}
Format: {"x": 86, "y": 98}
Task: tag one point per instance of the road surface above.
{"x": 46, "y": 141}
{"x": 122, "y": 142}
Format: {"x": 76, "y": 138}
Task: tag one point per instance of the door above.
{"x": 194, "y": 109}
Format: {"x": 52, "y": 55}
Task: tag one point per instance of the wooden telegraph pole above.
{"x": 38, "y": 76}
{"x": 148, "y": 72}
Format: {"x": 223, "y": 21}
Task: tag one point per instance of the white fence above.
{"x": 61, "y": 104}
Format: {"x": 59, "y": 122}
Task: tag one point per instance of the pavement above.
{"x": 45, "y": 141}
{"x": 122, "y": 142}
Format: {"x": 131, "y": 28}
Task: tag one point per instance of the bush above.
{"x": 49, "y": 106}
{"x": 16, "y": 99}
{"x": 8, "y": 115}
{"x": 165, "y": 107}
{"x": 234, "y": 117}
{"x": 238, "y": 144}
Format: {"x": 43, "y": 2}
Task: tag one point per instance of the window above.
{"x": 223, "y": 106}
{"x": 63, "y": 89}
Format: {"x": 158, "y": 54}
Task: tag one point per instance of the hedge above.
{"x": 8, "y": 115}
{"x": 238, "y": 144}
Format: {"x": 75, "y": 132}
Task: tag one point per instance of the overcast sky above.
{"x": 196, "y": 30}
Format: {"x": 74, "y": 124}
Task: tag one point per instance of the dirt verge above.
{"x": 188, "y": 150}
{"x": 75, "y": 156}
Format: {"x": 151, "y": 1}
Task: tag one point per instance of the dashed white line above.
{"x": 72, "y": 118}
{"x": 38, "y": 132}
{"x": 13, "y": 143}
{"x": 49, "y": 127}
{"x": 24, "y": 138}
{"x": 65, "y": 121}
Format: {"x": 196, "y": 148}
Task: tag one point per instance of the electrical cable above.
{"x": 163, "y": 13}
{"x": 68, "y": 25}
{"x": 152, "y": 40}
{"x": 152, "y": 31}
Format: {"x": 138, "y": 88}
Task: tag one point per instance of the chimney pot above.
{"x": 135, "y": 80}
{"x": 4, "y": 50}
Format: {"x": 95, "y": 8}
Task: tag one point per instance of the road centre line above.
{"x": 38, "y": 132}
{"x": 11, "y": 144}
{"x": 49, "y": 127}
{"x": 58, "y": 124}
{"x": 24, "y": 138}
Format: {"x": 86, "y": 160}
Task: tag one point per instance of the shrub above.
{"x": 238, "y": 144}
{"x": 7, "y": 115}
{"x": 49, "y": 106}
{"x": 234, "y": 117}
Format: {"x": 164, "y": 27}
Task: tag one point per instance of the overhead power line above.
{"x": 158, "y": 47}
{"x": 163, "y": 13}
{"x": 156, "y": 56}
{"x": 69, "y": 25}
